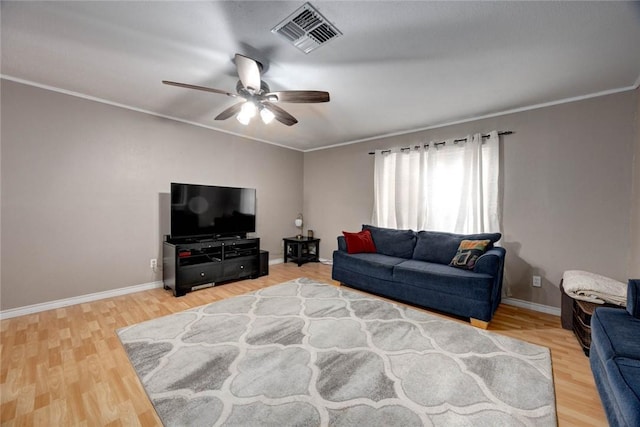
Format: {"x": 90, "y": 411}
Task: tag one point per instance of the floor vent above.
{"x": 306, "y": 29}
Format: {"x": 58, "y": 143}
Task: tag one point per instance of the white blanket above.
{"x": 594, "y": 288}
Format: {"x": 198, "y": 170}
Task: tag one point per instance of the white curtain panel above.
{"x": 450, "y": 187}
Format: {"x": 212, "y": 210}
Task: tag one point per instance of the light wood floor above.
{"x": 67, "y": 367}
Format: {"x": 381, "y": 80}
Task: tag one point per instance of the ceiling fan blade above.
{"x": 248, "y": 71}
{"x": 231, "y": 111}
{"x": 280, "y": 115}
{"x": 304, "y": 96}
{"x": 206, "y": 89}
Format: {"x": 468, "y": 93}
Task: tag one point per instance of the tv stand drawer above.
{"x": 239, "y": 268}
{"x": 199, "y": 274}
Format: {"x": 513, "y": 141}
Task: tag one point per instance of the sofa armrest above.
{"x": 633, "y": 297}
{"x": 490, "y": 262}
{"x": 342, "y": 244}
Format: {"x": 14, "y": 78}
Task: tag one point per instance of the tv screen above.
{"x": 211, "y": 211}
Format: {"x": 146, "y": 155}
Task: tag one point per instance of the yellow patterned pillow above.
{"x": 468, "y": 253}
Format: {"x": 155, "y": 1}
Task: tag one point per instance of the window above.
{"x": 451, "y": 186}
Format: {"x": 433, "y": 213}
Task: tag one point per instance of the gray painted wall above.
{"x": 634, "y": 253}
{"x": 566, "y": 176}
{"x": 85, "y": 191}
{"x": 85, "y": 186}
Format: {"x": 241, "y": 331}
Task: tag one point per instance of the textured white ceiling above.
{"x": 399, "y": 66}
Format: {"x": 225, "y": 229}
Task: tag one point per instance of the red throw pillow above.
{"x": 359, "y": 242}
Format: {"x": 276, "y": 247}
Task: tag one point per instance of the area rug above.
{"x": 305, "y": 353}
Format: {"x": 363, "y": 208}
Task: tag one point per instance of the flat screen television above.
{"x": 199, "y": 211}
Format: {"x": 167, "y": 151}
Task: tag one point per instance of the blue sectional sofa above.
{"x": 413, "y": 267}
{"x": 615, "y": 359}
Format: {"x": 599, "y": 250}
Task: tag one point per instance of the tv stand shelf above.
{"x": 189, "y": 264}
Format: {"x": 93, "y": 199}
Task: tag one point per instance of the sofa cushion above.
{"x": 440, "y": 247}
{"x": 630, "y": 370}
{"x": 396, "y": 243}
{"x": 633, "y": 298}
{"x": 360, "y": 242}
{"x": 367, "y": 264}
{"x": 468, "y": 253}
{"x": 623, "y": 375}
{"x": 444, "y": 279}
{"x": 342, "y": 244}
{"x": 617, "y": 333}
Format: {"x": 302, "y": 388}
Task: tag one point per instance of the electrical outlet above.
{"x": 537, "y": 282}
{"x": 153, "y": 264}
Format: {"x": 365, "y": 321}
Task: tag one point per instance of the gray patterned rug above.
{"x": 305, "y": 353}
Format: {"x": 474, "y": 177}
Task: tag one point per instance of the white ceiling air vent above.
{"x": 306, "y": 29}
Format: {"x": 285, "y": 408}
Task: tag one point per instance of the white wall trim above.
{"x": 139, "y": 110}
{"x": 532, "y": 306}
{"x": 281, "y": 261}
{"x": 51, "y": 305}
{"x": 356, "y": 141}
{"x": 487, "y": 116}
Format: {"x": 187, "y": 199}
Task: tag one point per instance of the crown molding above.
{"x": 342, "y": 144}
{"x": 139, "y": 110}
{"x": 487, "y": 116}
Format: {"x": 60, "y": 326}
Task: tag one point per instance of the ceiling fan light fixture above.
{"x": 247, "y": 112}
{"x": 249, "y": 109}
{"x": 267, "y": 116}
{"x": 243, "y": 118}
{"x": 254, "y": 101}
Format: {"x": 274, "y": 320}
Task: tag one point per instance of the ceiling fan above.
{"x": 256, "y": 96}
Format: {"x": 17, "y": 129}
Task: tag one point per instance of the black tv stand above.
{"x": 190, "y": 264}
{"x": 205, "y": 239}
{"x": 231, "y": 237}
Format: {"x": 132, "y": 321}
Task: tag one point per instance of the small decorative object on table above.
{"x": 310, "y": 234}
{"x": 299, "y": 224}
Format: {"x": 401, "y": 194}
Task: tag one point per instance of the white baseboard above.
{"x": 532, "y": 306}
{"x": 281, "y": 260}
{"x": 51, "y": 305}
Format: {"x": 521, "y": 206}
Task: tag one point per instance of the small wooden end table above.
{"x": 301, "y": 250}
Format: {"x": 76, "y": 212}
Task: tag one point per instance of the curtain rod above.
{"x": 455, "y": 141}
